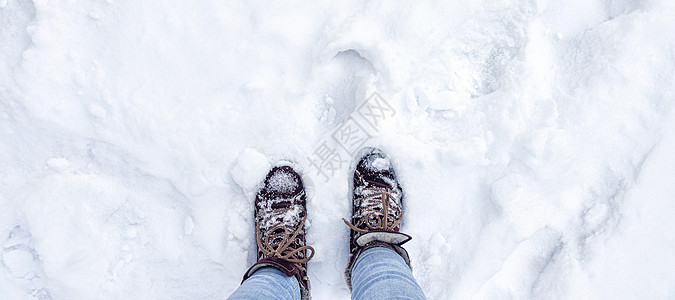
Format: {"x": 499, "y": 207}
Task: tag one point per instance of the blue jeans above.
{"x": 378, "y": 273}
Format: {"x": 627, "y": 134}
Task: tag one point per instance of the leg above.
{"x": 268, "y": 283}
{"x": 381, "y": 273}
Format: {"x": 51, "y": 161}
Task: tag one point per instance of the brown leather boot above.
{"x": 377, "y": 208}
{"x": 280, "y": 215}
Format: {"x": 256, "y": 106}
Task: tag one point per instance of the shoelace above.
{"x": 288, "y": 237}
{"x": 381, "y": 197}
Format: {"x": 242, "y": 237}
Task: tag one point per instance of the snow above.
{"x": 379, "y": 164}
{"x": 270, "y": 216}
{"x": 533, "y": 141}
{"x": 249, "y": 171}
{"x": 18, "y": 262}
{"x": 282, "y": 182}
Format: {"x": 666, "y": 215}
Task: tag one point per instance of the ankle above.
{"x": 377, "y": 244}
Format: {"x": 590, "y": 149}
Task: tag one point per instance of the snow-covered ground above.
{"x": 534, "y": 140}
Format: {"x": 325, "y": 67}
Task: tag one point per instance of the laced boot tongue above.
{"x": 281, "y": 216}
{"x": 377, "y": 197}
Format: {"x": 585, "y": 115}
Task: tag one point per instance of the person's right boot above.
{"x": 377, "y": 208}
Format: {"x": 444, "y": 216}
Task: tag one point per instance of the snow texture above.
{"x": 271, "y": 218}
{"x": 378, "y": 164}
{"x": 533, "y": 141}
{"x": 282, "y": 182}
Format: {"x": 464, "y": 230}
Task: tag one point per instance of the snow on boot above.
{"x": 280, "y": 215}
{"x": 377, "y": 208}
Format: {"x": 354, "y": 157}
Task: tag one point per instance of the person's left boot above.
{"x": 280, "y": 215}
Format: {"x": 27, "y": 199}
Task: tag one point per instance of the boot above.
{"x": 377, "y": 208}
{"x": 280, "y": 215}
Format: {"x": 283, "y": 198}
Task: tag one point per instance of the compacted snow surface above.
{"x": 533, "y": 139}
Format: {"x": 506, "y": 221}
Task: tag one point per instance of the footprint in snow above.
{"x": 21, "y": 261}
